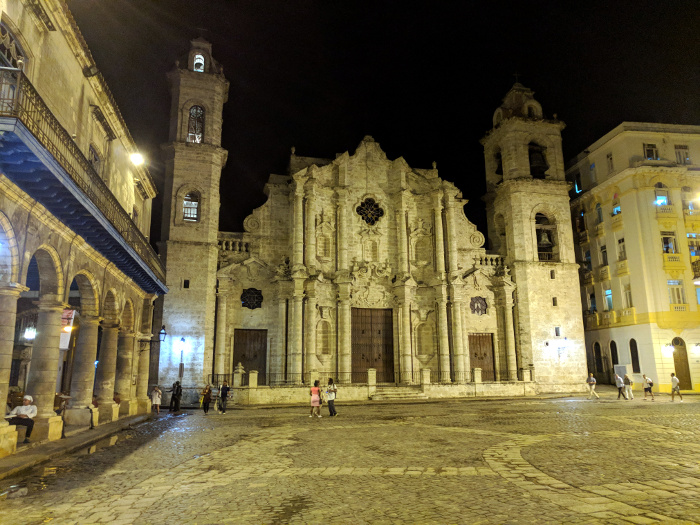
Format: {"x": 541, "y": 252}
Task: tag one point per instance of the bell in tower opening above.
{"x": 538, "y": 162}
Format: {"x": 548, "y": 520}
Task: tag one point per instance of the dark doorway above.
{"x": 481, "y": 355}
{"x": 372, "y": 344}
{"x": 250, "y": 349}
{"x": 680, "y": 362}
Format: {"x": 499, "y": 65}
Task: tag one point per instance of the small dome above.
{"x": 518, "y": 102}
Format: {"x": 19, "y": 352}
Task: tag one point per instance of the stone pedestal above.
{"x": 371, "y": 381}
{"x": 8, "y": 439}
{"x": 78, "y": 417}
{"x": 425, "y": 376}
{"x": 108, "y": 412}
{"x": 253, "y": 379}
{"x": 128, "y": 408}
{"x": 47, "y": 428}
{"x": 477, "y": 375}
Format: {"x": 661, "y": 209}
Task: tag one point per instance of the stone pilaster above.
{"x": 450, "y": 219}
{"x": 344, "y": 334}
{"x": 405, "y": 342}
{"x": 220, "y": 360}
{"x": 310, "y": 244}
{"x": 341, "y": 230}
{"x": 310, "y": 338}
{"x": 106, "y": 372}
{"x": 458, "y": 344}
{"x": 277, "y": 352}
{"x": 295, "y": 340}
{"x": 509, "y": 331}
{"x": 439, "y": 238}
{"x": 444, "y": 349}
{"x": 8, "y": 314}
{"x": 83, "y": 378}
{"x": 298, "y": 221}
{"x": 125, "y": 354}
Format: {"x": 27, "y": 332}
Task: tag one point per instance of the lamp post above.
{"x": 182, "y": 359}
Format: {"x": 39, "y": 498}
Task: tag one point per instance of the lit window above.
{"x": 616, "y": 210}
{"x": 682, "y": 154}
{"x": 661, "y": 195}
{"x": 195, "y": 127}
{"x": 199, "y": 63}
{"x": 608, "y": 300}
{"x": 668, "y": 242}
{"x": 651, "y": 152}
{"x": 190, "y": 207}
{"x": 693, "y": 244}
{"x": 621, "y": 252}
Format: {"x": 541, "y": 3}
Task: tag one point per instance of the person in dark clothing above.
{"x": 175, "y": 397}
{"x": 172, "y": 396}
{"x": 223, "y": 396}
{"x": 206, "y": 399}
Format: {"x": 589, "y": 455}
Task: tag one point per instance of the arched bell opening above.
{"x": 538, "y": 160}
{"x": 546, "y": 235}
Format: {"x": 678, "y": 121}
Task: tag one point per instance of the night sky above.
{"x": 423, "y": 78}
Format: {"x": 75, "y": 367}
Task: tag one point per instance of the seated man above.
{"x": 23, "y": 415}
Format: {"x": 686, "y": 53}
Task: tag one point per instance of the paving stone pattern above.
{"x": 566, "y": 460}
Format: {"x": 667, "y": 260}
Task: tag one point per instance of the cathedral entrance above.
{"x": 481, "y": 355}
{"x": 250, "y": 349}
{"x": 372, "y": 344}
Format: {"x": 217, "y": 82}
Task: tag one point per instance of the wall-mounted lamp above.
{"x": 67, "y": 328}
{"x": 136, "y": 159}
{"x": 182, "y": 360}
{"x": 30, "y": 333}
{"x": 667, "y": 351}
{"x": 162, "y": 334}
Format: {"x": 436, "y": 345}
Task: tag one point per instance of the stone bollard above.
{"x": 532, "y": 372}
{"x": 238, "y": 376}
{"x": 253, "y": 379}
{"x": 477, "y": 375}
{"x": 371, "y": 381}
{"x": 424, "y": 376}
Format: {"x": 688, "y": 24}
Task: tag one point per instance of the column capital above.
{"x": 90, "y": 319}
{"x": 13, "y": 289}
{"x": 106, "y": 326}
{"x": 51, "y": 305}
{"x": 126, "y": 332}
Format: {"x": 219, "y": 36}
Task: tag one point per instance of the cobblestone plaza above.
{"x": 555, "y": 460}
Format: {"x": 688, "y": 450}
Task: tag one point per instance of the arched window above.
{"x": 195, "y": 127}
{"x": 538, "y": 160}
{"x": 634, "y": 354}
{"x": 545, "y": 232}
{"x": 499, "y": 162}
{"x": 598, "y": 214}
{"x": 613, "y": 353}
{"x": 190, "y": 207}
{"x": 198, "y": 64}
{"x": 598, "y": 355}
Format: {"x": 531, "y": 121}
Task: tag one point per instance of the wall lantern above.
{"x": 162, "y": 334}
{"x": 30, "y": 333}
{"x": 667, "y": 351}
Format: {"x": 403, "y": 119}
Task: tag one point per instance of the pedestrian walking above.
{"x": 675, "y": 387}
{"x": 648, "y": 384}
{"x": 175, "y": 397}
{"x": 223, "y": 396}
{"x": 590, "y": 381}
{"x": 206, "y": 399}
{"x": 156, "y": 396}
{"x": 172, "y": 396}
{"x": 620, "y": 384}
{"x": 315, "y": 393}
{"x": 331, "y": 392}
{"x": 628, "y": 387}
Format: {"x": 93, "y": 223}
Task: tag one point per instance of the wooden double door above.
{"x": 481, "y": 355}
{"x": 372, "y": 344}
{"x": 250, "y": 349}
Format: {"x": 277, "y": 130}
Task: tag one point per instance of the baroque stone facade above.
{"x": 363, "y": 268}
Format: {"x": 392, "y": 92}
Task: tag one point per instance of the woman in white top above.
{"x": 156, "y": 396}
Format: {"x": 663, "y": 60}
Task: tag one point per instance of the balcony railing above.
{"x": 673, "y": 261}
{"x": 583, "y": 237}
{"x": 604, "y": 273}
{"x": 616, "y": 221}
{"x": 621, "y": 267}
{"x": 19, "y": 99}
{"x": 667, "y": 210}
{"x": 600, "y": 229}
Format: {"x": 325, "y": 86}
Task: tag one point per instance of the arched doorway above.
{"x": 601, "y": 364}
{"x": 680, "y": 363}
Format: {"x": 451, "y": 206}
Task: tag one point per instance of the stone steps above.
{"x": 405, "y": 393}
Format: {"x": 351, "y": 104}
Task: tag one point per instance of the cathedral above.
{"x": 365, "y": 269}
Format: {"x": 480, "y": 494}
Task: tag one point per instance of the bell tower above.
{"x": 193, "y": 162}
{"x": 529, "y": 223}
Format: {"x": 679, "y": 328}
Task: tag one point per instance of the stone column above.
{"x": 510, "y": 337}
{"x": 402, "y": 248}
{"x": 298, "y": 221}
{"x": 450, "y": 217}
{"x": 458, "y": 343}
{"x": 8, "y": 316}
{"x": 41, "y": 384}
{"x": 344, "y": 338}
{"x": 277, "y": 356}
{"x": 444, "y": 349}
{"x": 83, "y": 378}
{"x": 220, "y": 361}
{"x": 405, "y": 338}
{"x": 310, "y": 244}
{"x": 295, "y": 340}
{"x": 439, "y": 239}
{"x": 125, "y": 354}
{"x": 341, "y": 230}
{"x": 106, "y": 371}
{"x": 144, "y": 356}
{"x": 310, "y": 338}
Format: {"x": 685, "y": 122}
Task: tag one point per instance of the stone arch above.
{"x": 532, "y": 109}
{"x": 497, "y": 117}
{"x": 50, "y": 271}
{"x": 538, "y": 159}
{"x": 546, "y": 234}
{"x": 110, "y": 307}
{"x": 89, "y": 289}
{"x": 128, "y": 315}
{"x": 9, "y": 253}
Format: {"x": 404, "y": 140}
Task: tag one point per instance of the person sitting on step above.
{"x": 23, "y": 415}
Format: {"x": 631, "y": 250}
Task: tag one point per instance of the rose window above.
{"x": 251, "y": 298}
{"x": 370, "y": 211}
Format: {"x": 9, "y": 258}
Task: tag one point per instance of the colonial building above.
{"x": 365, "y": 269}
{"x": 77, "y": 273}
{"x": 637, "y": 230}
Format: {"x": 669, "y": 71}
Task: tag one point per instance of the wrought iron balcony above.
{"x": 40, "y": 157}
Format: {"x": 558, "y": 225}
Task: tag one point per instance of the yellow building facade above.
{"x": 636, "y": 224}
